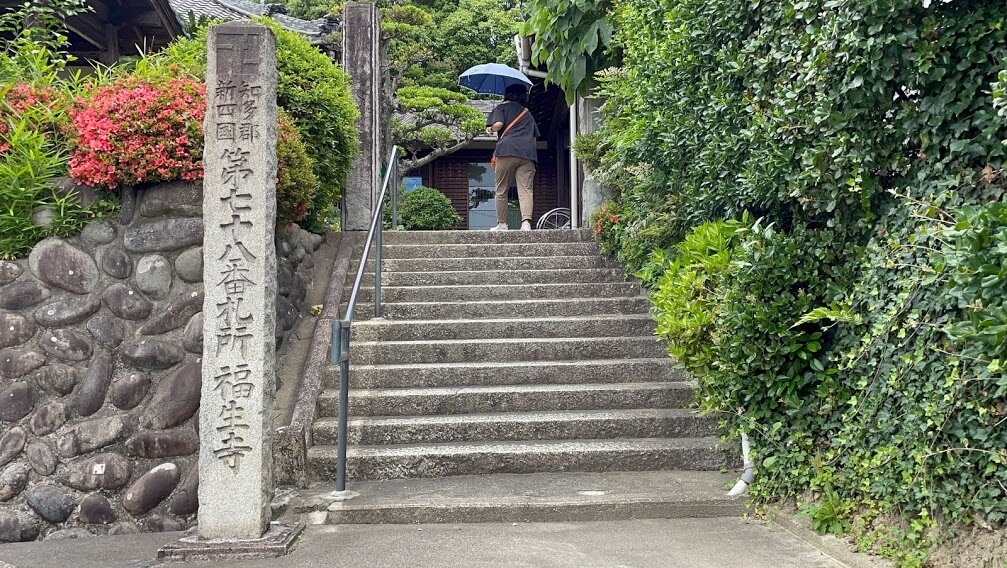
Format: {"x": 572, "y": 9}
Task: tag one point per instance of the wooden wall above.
{"x": 450, "y": 175}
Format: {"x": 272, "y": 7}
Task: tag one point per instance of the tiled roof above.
{"x": 243, "y": 9}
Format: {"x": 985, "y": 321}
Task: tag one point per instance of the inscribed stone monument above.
{"x": 239, "y": 208}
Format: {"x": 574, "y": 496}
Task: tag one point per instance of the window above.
{"x": 482, "y": 206}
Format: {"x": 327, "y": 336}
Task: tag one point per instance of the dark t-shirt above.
{"x": 520, "y": 139}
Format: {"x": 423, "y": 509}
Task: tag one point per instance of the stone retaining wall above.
{"x": 100, "y": 344}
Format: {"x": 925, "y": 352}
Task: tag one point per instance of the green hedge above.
{"x": 857, "y": 330}
{"x": 425, "y": 209}
{"x": 311, "y": 88}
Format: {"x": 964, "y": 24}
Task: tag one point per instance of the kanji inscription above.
{"x": 239, "y": 204}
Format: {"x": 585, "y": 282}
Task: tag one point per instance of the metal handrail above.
{"x": 340, "y": 351}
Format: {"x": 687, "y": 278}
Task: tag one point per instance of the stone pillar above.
{"x": 362, "y": 61}
{"x": 239, "y": 271}
{"x": 592, "y": 194}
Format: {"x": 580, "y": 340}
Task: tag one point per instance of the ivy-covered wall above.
{"x": 814, "y": 192}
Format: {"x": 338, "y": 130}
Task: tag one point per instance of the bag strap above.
{"x": 513, "y": 122}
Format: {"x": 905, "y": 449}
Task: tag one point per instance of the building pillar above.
{"x": 592, "y": 194}
{"x": 362, "y": 61}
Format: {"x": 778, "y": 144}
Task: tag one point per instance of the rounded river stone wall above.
{"x": 100, "y": 345}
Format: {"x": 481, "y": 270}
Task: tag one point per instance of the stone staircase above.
{"x": 506, "y": 353}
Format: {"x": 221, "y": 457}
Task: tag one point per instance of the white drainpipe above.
{"x": 748, "y": 475}
{"x": 574, "y": 169}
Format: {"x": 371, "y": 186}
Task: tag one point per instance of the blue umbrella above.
{"x": 492, "y": 78}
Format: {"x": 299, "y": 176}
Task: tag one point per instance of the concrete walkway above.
{"x": 677, "y": 543}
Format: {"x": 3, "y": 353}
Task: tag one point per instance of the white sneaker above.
{"x": 525, "y": 225}
{"x": 500, "y": 227}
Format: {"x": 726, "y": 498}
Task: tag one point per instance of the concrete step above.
{"x": 516, "y": 426}
{"x": 474, "y": 264}
{"x": 427, "y": 401}
{"x": 582, "y": 326}
{"x": 475, "y": 277}
{"x": 484, "y": 237}
{"x": 537, "y": 497}
{"x": 507, "y": 349}
{"x": 438, "y": 460}
{"x": 509, "y": 373}
{"x": 492, "y": 292}
{"x": 484, "y": 250}
{"x": 548, "y": 308}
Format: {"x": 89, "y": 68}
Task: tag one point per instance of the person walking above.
{"x": 516, "y": 154}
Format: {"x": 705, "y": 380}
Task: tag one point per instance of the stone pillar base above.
{"x": 277, "y": 541}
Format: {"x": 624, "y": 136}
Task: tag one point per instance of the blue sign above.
{"x": 412, "y": 182}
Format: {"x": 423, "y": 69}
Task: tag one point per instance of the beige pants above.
{"x": 509, "y": 167}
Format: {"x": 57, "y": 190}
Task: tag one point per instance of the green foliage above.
{"x": 38, "y": 27}
{"x": 828, "y": 515}
{"x": 35, "y": 95}
{"x": 296, "y": 184}
{"x": 438, "y": 121}
{"x": 476, "y": 32}
{"x": 686, "y": 295}
{"x": 29, "y": 169}
{"x": 193, "y": 25}
{"x": 571, "y": 39}
{"x": 976, "y": 259}
{"x": 429, "y": 44}
{"x": 426, "y": 209}
{"x": 857, "y": 332}
{"x": 315, "y": 92}
{"x": 311, "y": 88}
{"x": 309, "y": 9}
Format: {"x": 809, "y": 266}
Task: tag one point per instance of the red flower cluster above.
{"x": 19, "y": 99}
{"x": 134, "y": 132}
{"x": 603, "y": 219}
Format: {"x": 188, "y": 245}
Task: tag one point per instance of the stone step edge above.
{"x": 416, "y": 343}
{"x": 514, "y": 271}
{"x": 562, "y": 492}
{"x": 559, "y": 319}
{"x": 518, "y": 447}
{"x": 554, "y": 512}
{"x": 514, "y": 364}
{"x": 509, "y": 417}
{"x": 544, "y": 388}
{"x": 442, "y": 287}
{"x": 515, "y": 302}
{"x": 482, "y": 260}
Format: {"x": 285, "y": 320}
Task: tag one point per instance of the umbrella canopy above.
{"x": 492, "y": 78}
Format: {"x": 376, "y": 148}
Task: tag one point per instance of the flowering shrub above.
{"x": 133, "y": 131}
{"x": 295, "y": 182}
{"x": 603, "y": 219}
{"x": 45, "y": 105}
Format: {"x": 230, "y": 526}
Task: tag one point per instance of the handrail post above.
{"x": 395, "y": 193}
{"x": 342, "y": 340}
{"x": 377, "y": 261}
{"x": 339, "y": 353}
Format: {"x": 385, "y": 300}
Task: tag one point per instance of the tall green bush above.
{"x": 315, "y": 92}
{"x": 856, "y": 335}
{"x": 311, "y": 88}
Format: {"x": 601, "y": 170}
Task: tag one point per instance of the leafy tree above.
{"x": 571, "y": 39}
{"x": 435, "y": 123}
{"x": 309, "y": 9}
{"x": 427, "y": 50}
{"x": 476, "y": 32}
